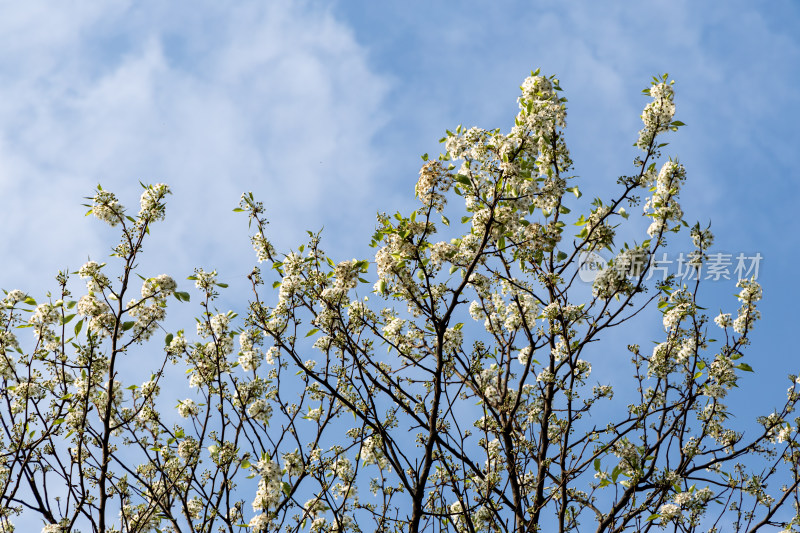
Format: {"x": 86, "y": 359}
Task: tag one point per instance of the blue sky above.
{"x": 323, "y": 109}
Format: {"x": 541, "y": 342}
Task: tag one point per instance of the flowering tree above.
{"x": 453, "y": 394}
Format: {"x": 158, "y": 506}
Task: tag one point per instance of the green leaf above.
{"x": 181, "y": 296}
{"x": 78, "y": 327}
{"x": 67, "y": 318}
{"x": 127, "y": 325}
{"x": 313, "y": 331}
{"x": 745, "y": 367}
{"x": 223, "y": 285}
{"x": 168, "y": 339}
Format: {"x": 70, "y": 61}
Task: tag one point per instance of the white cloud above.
{"x": 274, "y": 97}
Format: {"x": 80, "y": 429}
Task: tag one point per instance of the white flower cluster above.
{"x": 89, "y": 306}
{"x": 188, "y": 408}
{"x": 260, "y": 410}
{"x": 14, "y": 297}
{"x": 25, "y": 391}
{"x": 692, "y": 501}
{"x": 458, "y": 517}
{"x": 661, "y": 363}
{"x": 490, "y": 157}
{"x": 205, "y": 280}
{"x": 681, "y": 306}
{"x": 687, "y": 350}
{"x": 8, "y": 342}
{"x": 372, "y": 453}
{"x": 188, "y": 449}
{"x": 390, "y": 260}
{"x": 571, "y": 314}
{"x": 293, "y": 463}
{"x": 195, "y": 507}
{"x": 721, "y": 377}
{"x": 314, "y": 508}
{"x": 748, "y": 314}
{"x": 778, "y": 430}
{"x": 270, "y": 491}
{"x": 260, "y": 523}
{"x": 524, "y": 355}
{"x": 44, "y": 314}
{"x": 263, "y": 248}
{"x": 441, "y": 252}
{"x": 250, "y": 356}
{"x": 96, "y": 281}
{"x": 669, "y": 512}
{"x": 434, "y": 181}
{"x": 599, "y": 232}
{"x": 657, "y": 115}
{"x": 162, "y": 286}
{"x": 616, "y": 279}
{"x": 152, "y": 202}
{"x": 406, "y": 343}
{"x": 702, "y": 238}
{"x": 177, "y": 345}
{"x": 152, "y": 308}
{"x": 346, "y": 278}
{"x": 490, "y": 384}
{"x": 496, "y": 312}
{"x": 220, "y": 344}
{"x": 723, "y": 320}
{"x": 664, "y": 202}
{"x": 539, "y": 107}
{"x": 107, "y": 208}
{"x": 101, "y": 318}
{"x": 582, "y": 370}
{"x": 629, "y": 457}
{"x": 471, "y": 145}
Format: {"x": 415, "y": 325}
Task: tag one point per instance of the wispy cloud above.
{"x": 277, "y": 98}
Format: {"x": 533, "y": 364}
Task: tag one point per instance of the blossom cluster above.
{"x": 664, "y": 202}
{"x": 657, "y": 115}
